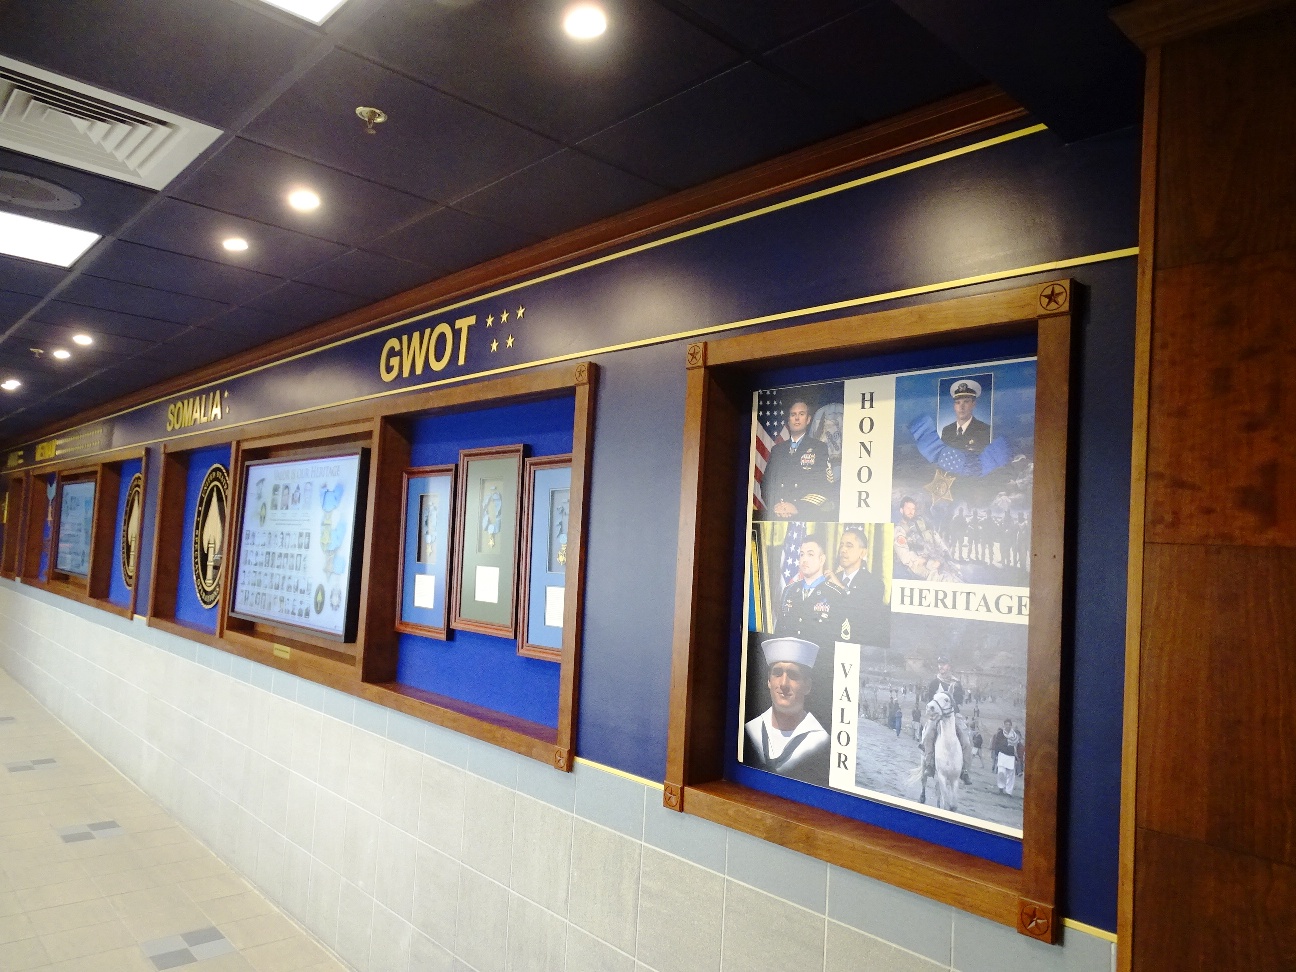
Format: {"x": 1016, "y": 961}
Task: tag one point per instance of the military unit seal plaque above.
{"x": 209, "y": 534}
{"x": 132, "y": 517}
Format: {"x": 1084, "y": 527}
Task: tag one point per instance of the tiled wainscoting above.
{"x": 405, "y": 846}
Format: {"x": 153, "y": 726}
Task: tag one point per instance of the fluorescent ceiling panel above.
{"x": 316, "y": 11}
{"x": 35, "y": 239}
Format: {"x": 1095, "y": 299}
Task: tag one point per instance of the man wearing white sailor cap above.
{"x": 785, "y": 738}
{"x": 966, "y": 432}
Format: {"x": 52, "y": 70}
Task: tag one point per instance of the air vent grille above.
{"x": 73, "y": 124}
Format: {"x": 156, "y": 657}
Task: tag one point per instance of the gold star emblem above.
{"x": 940, "y": 486}
{"x": 489, "y": 320}
{"x": 503, "y": 317}
{"x": 520, "y": 311}
{"x": 494, "y": 346}
{"x": 510, "y": 341}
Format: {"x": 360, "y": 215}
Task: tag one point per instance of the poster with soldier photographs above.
{"x": 888, "y": 588}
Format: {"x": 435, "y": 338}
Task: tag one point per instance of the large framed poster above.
{"x": 869, "y": 598}
{"x": 75, "y": 527}
{"x": 889, "y": 585}
{"x": 296, "y": 564}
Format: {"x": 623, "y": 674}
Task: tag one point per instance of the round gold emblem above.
{"x": 132, "y": 516}
{"x": 209, "y": 534}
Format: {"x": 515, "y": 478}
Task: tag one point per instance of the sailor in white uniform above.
{"x": 785, "y": 738}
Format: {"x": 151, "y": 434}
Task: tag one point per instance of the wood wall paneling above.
{"x": 1222, "y": 456}
{"x": 1204, "y": 909}
{"x": 1228, "y": 133}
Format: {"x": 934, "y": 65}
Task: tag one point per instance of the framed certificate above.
{"x": 547, "y": 549}
{"x": 427, "y": 498}
{"x": 485, "y": 575}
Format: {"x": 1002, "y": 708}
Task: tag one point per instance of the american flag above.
{"x": 792, "y": 553}
{"x": 771, "y": 429}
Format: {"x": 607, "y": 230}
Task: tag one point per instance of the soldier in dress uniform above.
{"x": 865, "y": 618}
{"x": 799, "y": 482}
{"x": 786, "y": 738}
{"x": 811, "y": 608}
{"x": 966, "y": 432}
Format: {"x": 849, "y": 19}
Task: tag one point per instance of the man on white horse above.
{"x": 951, "y": 686}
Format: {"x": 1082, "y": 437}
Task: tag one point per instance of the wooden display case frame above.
{"x": 11, "y": 543}
{"x": 367, "y": 668}
{"x": 717, "y": 406}
{"x": 26, "y": 544}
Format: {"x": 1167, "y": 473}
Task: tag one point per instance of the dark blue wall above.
{"x": 970, "y": 223}
{"x": 118, "y": 592}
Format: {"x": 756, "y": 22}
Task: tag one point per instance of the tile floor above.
{"x": 95, "y": 877}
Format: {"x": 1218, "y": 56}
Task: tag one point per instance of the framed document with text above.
{"x": 545, "y": 553}
{"x": 486, "y": 534}
{"x": 428, "y": 502}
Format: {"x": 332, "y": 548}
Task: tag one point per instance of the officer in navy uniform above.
{"x": 865, "y": 619}
{"x": 966, "y": 432}
{"x": 799, "y": 482}
{"x": 812, "y": 607}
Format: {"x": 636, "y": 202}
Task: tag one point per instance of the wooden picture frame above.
{"x": 717, "y": 410}
{"x": 538, "y": 538}
{"x": 487, "y": 528}
{"x": 426, "y": 551}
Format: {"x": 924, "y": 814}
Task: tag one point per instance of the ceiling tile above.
{"x": 368, "y": 275}
{"x": 246, "y": 327}
{"x": 197, "y": 231}
{"x": 303, "y": 305}
{"x": 352, "y": 210}
{"x": 108, "y": 347}
{"x": 513, "y": 57}
{"x": 878, "y": 61}
{"x": 560, "y": 193}
{"x": 30, "y": 277}
{"x": 105, "y": 203}
{"x": 432, "y": 145}
{"x": 448, "y": 240}
{"x": 761, "y": 24}
{"x": 205, "y": 59}
{"x": 98, "y": 321}
{"x": 14, "y": 306}
{"x": 164, "y": 270}
{"x": 742, "y": 117}
{"x": 143, "y": 301}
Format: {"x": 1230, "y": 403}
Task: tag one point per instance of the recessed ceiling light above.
{"x": 303, "y": 200}
{"x": 35, "y": 239}
{"x": 316, "y": 11}
{"x": 61, "y": 353}
{"x": 235, "y": 244}
{"x": 11, "y": 384}
{"x": 585, "y": 21}
{"x": 85, "y": 340}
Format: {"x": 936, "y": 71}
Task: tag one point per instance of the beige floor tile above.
{"x": 23, "y": 955}
{"x": 229, "y": 962}
{"x": 288, "y": 955}
{"x": 80, "y": 942}
{"x": 53, "y": 895}
{"x": 9, "y": 904}
{"x": 114, "y": 863}
{"x": 96, "y": 911}
{"x": 179, "y": 872}
{"x": 125, "y": 881}
{"x": 236, "y": 907}
{"x": 216, "y": 886}
{"x": 14, "y": 928}
{"x": 258, "y": 930}
{"x": 174, "y": 920}
{"x": 129, "y": 959}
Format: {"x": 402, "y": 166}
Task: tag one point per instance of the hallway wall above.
{"x": 403, "y": 845}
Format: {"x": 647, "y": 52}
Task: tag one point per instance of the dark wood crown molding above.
{"x": 1154, "y": 23}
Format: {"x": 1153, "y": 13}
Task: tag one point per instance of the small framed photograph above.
{"x": 486, "y": 541}
{"x": 545, "y": 555}
{"x": 427, "y": 497}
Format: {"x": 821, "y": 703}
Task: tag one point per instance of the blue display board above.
{"x": 188, "y": 609}
{"x": 118, "y": 592}
{"x": 476, "y": 668}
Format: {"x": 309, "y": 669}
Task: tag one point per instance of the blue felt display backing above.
{"x": 118, "y": 592}
{"x": 482, "y": 669}
{"x": 47, "y": 528}
{"x": 188, "y": 609}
